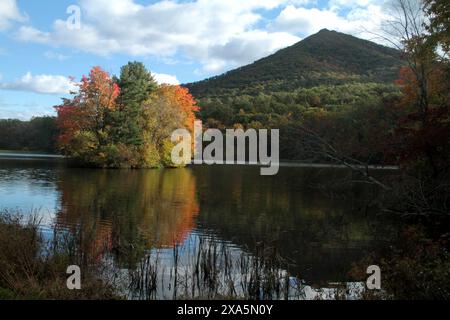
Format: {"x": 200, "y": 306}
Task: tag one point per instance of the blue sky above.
{"x": 179, "y": 41}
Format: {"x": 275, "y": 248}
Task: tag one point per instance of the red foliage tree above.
{"x": 87, "y": 111}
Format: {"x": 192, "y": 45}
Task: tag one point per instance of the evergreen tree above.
{"x": 136, "y": 84}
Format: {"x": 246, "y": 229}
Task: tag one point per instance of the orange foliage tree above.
{"x": 181, "y": 99}
{"x": 170, "y": 108}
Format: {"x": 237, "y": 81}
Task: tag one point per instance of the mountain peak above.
{"x": 327, "y": 57}
{"x": 325, "y": 30}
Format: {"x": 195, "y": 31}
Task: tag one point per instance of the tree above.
{"x": 42, "y": 134}
{"x": 130, "y": 127}
{"x": 136, "y": 84}
{"x": 38, "y": 134}
{"x": 84, "y": 121}
{"x": 421, "y": 137}
{"x": 170, "y": 108}
{"x": 438, "y": 12}
{"x": 417, "y": 140}
{"x": 408, "y": 31}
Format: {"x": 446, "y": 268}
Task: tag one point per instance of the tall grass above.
{"x": 34, "y": 268}
{"x": 214, "y": 270}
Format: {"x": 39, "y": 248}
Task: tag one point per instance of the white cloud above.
{"x": 216, "y": 33}
{"x": 48, "y": 84}
{"x": 362, "y": 18}
{"x": 163, "y": 78}
{"x": 338, "y": 4}
{"x": 23, "y": 110}
{"x": 213, "y": 32}
{"x": 249, "y": 46}
{"x": 55, "y": 56}
{"x": 9, "y": 12}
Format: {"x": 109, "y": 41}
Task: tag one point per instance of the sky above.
{"x": 48, "y": 45}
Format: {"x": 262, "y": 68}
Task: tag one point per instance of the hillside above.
{"x": 325, "y": 58}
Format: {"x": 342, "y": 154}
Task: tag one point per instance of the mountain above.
{"x": 325, "y": 58}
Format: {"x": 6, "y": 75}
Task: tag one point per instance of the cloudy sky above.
{"x": 43, "y": 44}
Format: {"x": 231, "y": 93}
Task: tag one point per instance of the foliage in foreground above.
{"x": 415, "y": 267}
{"x": 32, "y": 268}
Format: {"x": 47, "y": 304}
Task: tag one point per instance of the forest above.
{"x": 38, "y": 134}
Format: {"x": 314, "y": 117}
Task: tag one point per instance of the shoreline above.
{"x": 23, "y": 155}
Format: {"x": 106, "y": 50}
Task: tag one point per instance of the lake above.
{"x": 316, "y": 225}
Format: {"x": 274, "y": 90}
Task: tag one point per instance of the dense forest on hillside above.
{"x": 348, "y": 114}
{"x": 338, "y": 85}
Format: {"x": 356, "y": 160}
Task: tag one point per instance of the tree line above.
{"x": 38, "y": 134}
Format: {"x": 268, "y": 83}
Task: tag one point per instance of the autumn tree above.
{"x": 170, "y": 108}
{"x": 423, "y": 133}
{"x": 84, "y": 120}
{"x": 438, "y": 12}
{"x": 421, "y": 140}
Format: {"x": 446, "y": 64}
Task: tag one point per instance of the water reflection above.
{"x": 320, "y": 232}
{"x": 128, "y": 211}
{"x": 129, "y": 215}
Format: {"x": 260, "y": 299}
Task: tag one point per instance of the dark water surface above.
{"x": 318, "y": 232}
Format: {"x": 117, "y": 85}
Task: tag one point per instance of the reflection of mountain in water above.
{"x": 319, "y": 235}
{"x": 128, "y": 212}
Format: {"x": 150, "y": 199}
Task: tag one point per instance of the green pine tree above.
{"x": 136, "y": 84}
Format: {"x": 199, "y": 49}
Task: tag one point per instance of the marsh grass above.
{"x": 32, "y": 267}
{"x": 214, "y": 270}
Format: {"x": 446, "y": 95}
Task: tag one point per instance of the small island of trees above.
{"x": 123, "y": 122}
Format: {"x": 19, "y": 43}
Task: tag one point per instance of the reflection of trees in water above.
{"x": 127, "y": 211}
{"x": 321, "y": 234}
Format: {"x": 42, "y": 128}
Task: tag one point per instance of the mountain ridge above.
{"x": 325, "y": 58}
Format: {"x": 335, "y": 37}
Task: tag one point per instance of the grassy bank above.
{"x": 416, "y": 266}
{"x": 33, "y": 268}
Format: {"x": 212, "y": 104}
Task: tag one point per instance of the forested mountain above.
{"x": 335, "y": 84}
{"x": 325, "y": 58}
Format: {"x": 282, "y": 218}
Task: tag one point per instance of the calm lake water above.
{"x": 317, "y": 232}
